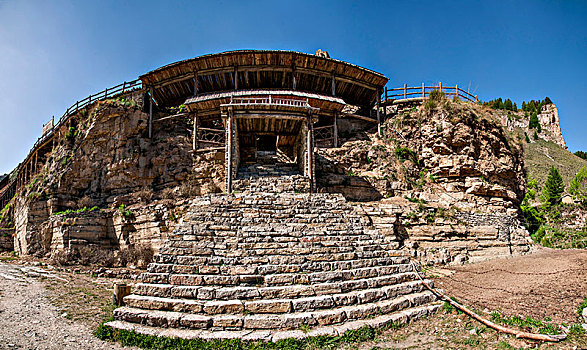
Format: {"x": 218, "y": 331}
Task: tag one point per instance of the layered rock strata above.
{"x": 264, "y": 266}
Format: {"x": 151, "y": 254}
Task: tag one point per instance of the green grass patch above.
{"x": 130, "y": 338}
{"x": 530, "y": 324}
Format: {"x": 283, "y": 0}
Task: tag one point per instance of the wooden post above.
{"x": 378, "y": 114}
{"x": 150, "y": 112}
{"x": 293, "y": 77}
{"x": 120, "y": 291}
{"x": 123, "y": 86}
{"x": 440, "y": 86}
{"x": 386, "y": 93}
{"x": 335, "y": 132}
{"x": 333, "y": 86}
{"x": 405, "y": 91}
{"x": 235, "y": 78}
{"x": 423, "y": 91}
{"x": 228, "y": 144}
{"x": 457, "y": 90}
{"x": 195, "y": 78}
{"x": 310, "y": 151}
{"x": 195, "y": 135}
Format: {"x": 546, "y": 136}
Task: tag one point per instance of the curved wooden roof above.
{"x": 262, "y": 69}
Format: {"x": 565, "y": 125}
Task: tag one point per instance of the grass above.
{"x": 541, "y": 155}
{"x": 130, "y": 338}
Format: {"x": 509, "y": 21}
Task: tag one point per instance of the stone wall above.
{"x": 6, "y": 240}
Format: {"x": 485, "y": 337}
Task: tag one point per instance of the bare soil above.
{"x": 549, "y": 283}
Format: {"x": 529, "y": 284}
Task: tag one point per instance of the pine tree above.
{"x": 554, "y": 187}
{"x": 534, "y": 123}
{"x": 515, "y": 107}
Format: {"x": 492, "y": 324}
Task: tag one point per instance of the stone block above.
{"x": 329, "y": 317}
{"x": 195, "y": 321}
{"x": 263, "y": 322}
{"x": 223, "y": 307}
{"x": 228, "y": 321}
{"x": 186, "y": 280}
{"x": 272, "y": 306}
{"x": 312, "y": 303}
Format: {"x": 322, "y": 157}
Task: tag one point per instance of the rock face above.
{"x": 447, "y": 175}
{"x": 90, "y": 166}
{"x": 259, "y": 266}
{"x": 548, "y": 119}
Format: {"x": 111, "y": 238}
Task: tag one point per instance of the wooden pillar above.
{"x": 423, "y": 91}
{"x": 405, "y": 91}
{"x": 228, "y": 151}
{"x": 457, "y": 91}
{"x": 195, "y": 131}
{"x": 150, "y": 112}
{"x": 293, "y": 77}
{"x": 235, "y": 78}
{"x": 440, "y": 85}
{"x": 195, "y": 79}
{"x": 378, "y": 114}
{"x": 310, "y": 147}
{"x": 335, "y": 132}
{"x": 333, "y": 86}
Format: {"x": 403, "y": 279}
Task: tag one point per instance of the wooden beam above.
{"x": 378, "y": 115}
{"x": 195, "y": 132}
{"x": 229, "y": 155}
{"x": 335, "y": 129}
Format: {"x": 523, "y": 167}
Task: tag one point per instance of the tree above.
{"x": 578, "y": 186}
{"x": 507, "y": 104}
{"x": 547, "y": 101}
{"x": 581, "y": 154}
{"x": 554, "y": 187}
{"x": 515, "y": 107}
{"x": 534, "y": 123}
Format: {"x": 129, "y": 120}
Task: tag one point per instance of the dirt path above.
{"x": 28, "y": 320}
{"x": 550, "y": 283}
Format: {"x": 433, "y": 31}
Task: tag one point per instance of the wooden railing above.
{"x": 287, "y": 102}
{"x": 104, "y": 94}
{"x": 422, "y": 92}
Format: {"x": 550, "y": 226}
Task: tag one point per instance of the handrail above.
{"x": 50, "y": 126}
{"x": 287, "y": 102}
{"x": 422, "y": 92}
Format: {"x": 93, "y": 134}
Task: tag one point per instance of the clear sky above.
{"x": 53, "y": 53}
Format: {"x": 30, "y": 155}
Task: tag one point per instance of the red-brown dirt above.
{"x": 549, "y": 283}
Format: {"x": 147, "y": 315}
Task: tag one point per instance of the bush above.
{"x": 140, "y": 255}
{"x": 578, "y": 188}
{"x": 534, "y": 122}
{"x": 405, "y": 153}
{"x": 581, "y": 154}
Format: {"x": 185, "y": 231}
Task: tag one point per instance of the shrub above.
{"x": 140, "y": 255}
{"x": 405, "y": 153}
{"x": 526, "y": 137}
{"x": 578, "y": 188}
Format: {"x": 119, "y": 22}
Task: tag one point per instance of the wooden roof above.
{"x": 260, "y": 69}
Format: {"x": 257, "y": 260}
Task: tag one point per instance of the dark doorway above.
{"x": 267, "y": 143}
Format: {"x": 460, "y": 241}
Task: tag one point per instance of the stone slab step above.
{"x": 187, "y": 264}
{"x": 164, "y": 290}
{"x": 273, "y": 280}
{"x": 401, "y": 317}
{"x": 236, "y": 320}
{"x": 230, "y": 300}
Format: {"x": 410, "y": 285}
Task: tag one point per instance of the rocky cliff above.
{"x": 448, "y": 175}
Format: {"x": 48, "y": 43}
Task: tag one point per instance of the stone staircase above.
{"x": 274, "y": 177}
{"x": 265, "y": 266}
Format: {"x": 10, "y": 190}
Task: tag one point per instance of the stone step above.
{"x": 233, "y": 317}
{"x": 251, "y": 266}
{"x": 246, "y": 300}
{"x": 399, "y": 318}
{"x": 274, "y": 279}
{"x": 250, "y": 290}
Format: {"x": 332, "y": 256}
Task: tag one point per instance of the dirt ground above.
{"x": 31, "y": 316}
{"x": 42, "y": 308}
{"x": 549, "y": 283}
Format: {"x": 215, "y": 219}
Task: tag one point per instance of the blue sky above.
{"x": 53, "y": 53}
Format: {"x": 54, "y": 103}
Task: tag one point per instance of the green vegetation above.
{"x": 578, "y": 188}
{"x": 552, "y": 237}
{"x": 79, "y": 211}
{"x": 581, "y": 154}
{"x": 129, "y": 338}
{"x": 405, "y": 153}
{"x": 581, "y": 307}
{"x": 71, "y": 133}
{"x": 528, "y": 323}
{"x": 541, "y": 155}
{"x": 554, "y": 187}
{"x": 534, "y": 122}
{"x": 498, "y": 103}
{"x": 535, "y": 106}
{"x": 125, "y": 212}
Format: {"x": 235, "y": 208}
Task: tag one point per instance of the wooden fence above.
{"x": 405, "y": 94}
